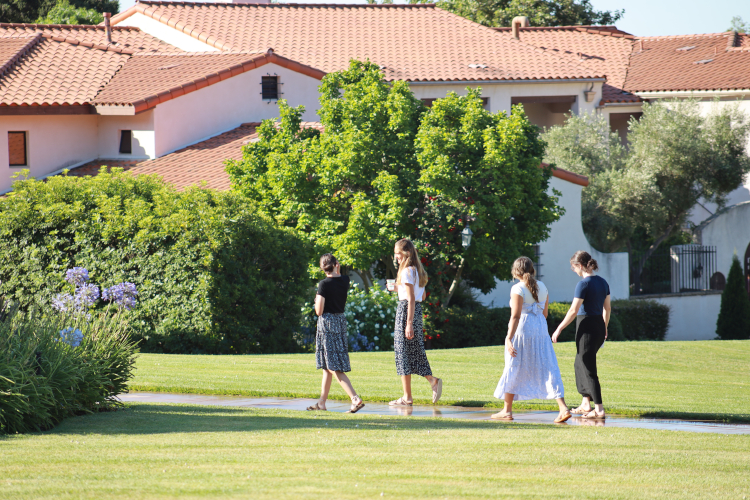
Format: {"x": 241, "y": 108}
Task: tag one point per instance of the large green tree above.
{"x": 386, "y": 168}
{"x": 29, "y": 11}
{"x": 66, "y": 13}
{"x": 539, "y": 12}
{"x": 677, "y": 157}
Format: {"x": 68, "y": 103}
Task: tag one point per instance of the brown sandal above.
{"x": 593, "y": 415}
{"x": 316, "y": 407}
{"x": 400, "y": 402}
{"x": 356, "y": 407}
{"x": 580, "y": 411}
{"x": 562, "y": 418}
{"x": 502, "y": 416}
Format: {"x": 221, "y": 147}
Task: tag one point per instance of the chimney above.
{"x": 108, "y": 27}
{"x": 518, "y": 23}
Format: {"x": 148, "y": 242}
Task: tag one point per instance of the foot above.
{"x": 594, "y": 415}
{"x": 317, "y": 407}
{"x": 400, "y": 402}
{"x": 437, "y": 390}
{"x": 562, "y": 416}
{"x": 357, "y": 404}
{"x": 581, "y": 410}
{"x": 502, "y": 415}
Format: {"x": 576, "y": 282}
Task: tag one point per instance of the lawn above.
{"x": 161, "y": 451}
{"x": 705, "y": 380}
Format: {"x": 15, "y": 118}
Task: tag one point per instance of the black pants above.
{"x": 590, "y": 331}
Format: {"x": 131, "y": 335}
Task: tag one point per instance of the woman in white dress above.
{"x": 531, "y": 370}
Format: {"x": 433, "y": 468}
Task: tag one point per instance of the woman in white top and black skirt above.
{"x": 408, "y": 338}
{"x": 531, "y": 370}
{"x": 331, "y": 341}
{"x": 591, "y": 309}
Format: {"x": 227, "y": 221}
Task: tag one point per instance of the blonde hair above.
{"x": 523, "y": 269}
{"x": 410, "y": 259}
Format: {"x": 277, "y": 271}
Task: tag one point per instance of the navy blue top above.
{"x": 593, "y": 290}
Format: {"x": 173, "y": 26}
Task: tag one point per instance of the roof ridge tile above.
{"x": 33, "y": 40}
{"x": 91, "y": 45}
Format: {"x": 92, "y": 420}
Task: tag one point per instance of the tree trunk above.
{"x": 391, "y": 271}
{"x": 365, "y": 281}
{"x": 370, "y": 277}
{"x": 454, "y": 285}
{"x": 642, "y": 263}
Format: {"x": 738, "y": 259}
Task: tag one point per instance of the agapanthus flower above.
{"x": 86, "y": 296}
{"x": 122, "y": 294}
{"x": 77, "y": 276}
{"x": 72, "y": 337}
{"x": 63, "y": 302}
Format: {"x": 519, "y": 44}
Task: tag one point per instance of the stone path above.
{"x": 535, "y": 417}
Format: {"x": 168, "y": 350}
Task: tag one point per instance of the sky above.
{"x": 644, "y": 17}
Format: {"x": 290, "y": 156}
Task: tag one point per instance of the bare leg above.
{"x": 599, "y": 408}
{"x": 406, "y": 383}
{"x": 585, "y": 404}
{"x": 508, "y": 406}
{"x": 562, "y": 405}
{"x": 325, "y": 387}
{"x": 346, "y": 385}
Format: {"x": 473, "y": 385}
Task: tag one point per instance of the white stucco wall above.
{"x": 691, "y": 316}
{"x": 567, "y": 237}
{"x": 54, "y": 142}
{"x": 729, "y": 232}
{"x": 166, "y": 33}
{"x": 500, "y": 94}
{"x": 227, "y": 104}
{"x": 144, "y": 140}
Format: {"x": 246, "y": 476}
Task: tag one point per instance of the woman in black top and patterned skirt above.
{"x": 331, "y": 341}
{"x": 591, "y": 309}
{"x": 408, "y": 339}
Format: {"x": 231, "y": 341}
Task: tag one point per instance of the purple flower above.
{"x": 122, "y": 294}
{"x": 63, "y": 302}
{"x": 86, "y": 296}
{"x": 72, "y": 337}
{"x": 77, "y": 276}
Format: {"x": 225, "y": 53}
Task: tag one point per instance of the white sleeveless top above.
{"x": 521, "y": 289}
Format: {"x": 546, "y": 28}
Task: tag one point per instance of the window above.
{"x": 429, "y": 100}
{"x": 537, "y": 261}
{"x": 17, "y": 154}
{"x": 126, "y": 142}
{"x": 270, "y": 87}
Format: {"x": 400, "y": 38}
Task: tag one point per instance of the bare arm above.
{"x": 516, "y": 303}
{"x": 409, "y": 332}
{"x": 607, "y": 314}
{"x": 320, "y": 303}
{"x": 569, "y": 317}
{"x": 546, "y": 306}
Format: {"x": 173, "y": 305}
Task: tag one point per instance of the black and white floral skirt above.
{"x": 332, "y": 343}
{"x": 410, "y": 356}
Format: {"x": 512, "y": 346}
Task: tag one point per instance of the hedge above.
{"x": 213, "y": 276}
{"x": 642, "y": 319}
{"x": 43, "y": 379}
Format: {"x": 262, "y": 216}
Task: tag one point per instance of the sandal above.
{"x": 593, "y": 415}
{"x": 356, "y": 407}
{"x": 562, "y": 418}
{"x": 502, "y": 416}
{"x": 400, "y": 402}
{"x": 580, "y": 411}
{"x": 437, "y": 391}
{"x": 316, "y": 407}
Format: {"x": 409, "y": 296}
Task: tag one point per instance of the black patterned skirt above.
{"x": 410, "y": 356}
{"x": 332, "y": 343}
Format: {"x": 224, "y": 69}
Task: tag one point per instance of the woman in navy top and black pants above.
{"x": 591, "y": 309}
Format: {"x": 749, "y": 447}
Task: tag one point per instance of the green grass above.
{"x": 700, "y": 380}
{"x": 171, "y": 451}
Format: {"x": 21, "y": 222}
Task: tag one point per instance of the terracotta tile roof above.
{"x": 605, "y": 49}
{"x": 122, "y": 37}
{"x": 93, "y": 167}
{"x": 718, "y": 61}
{"x": 149, "y": 79}
{"x": 12, "y": 49}
{"x": 54, "y": 72}
{"x": 410, "y": 42}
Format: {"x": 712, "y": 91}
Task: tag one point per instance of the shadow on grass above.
{"x": 141, "y": 418}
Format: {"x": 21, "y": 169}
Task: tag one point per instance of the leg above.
{"x": 406, "y": 383}
{"x": 325, "y": 387}
{"x": 508, "y": 404}
{"x": 346, "y": 384}
{"x": 561, "y": 404}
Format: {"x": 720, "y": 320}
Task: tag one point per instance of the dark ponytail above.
{"x": 583, "y": 259}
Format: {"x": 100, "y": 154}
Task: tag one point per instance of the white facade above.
{"x": 692, "y": 316}
{"x": 566, "y": 237}
{"x": 164, "y": 32}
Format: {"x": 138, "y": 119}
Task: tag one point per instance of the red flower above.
{"x": 438, "y": 335}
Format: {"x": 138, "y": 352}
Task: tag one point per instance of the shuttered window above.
{"x": 17, "y": 149}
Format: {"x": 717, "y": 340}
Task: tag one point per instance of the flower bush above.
{"x": 370, "y": 317}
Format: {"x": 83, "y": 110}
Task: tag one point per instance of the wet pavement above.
{"x": 528, "y": 417}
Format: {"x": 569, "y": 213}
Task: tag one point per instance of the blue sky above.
{"x": 646, "y": 17}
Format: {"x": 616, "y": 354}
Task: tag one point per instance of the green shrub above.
{"x": 734, "y": 314}
{"x": 468, "y": 328}
{"x": 43, "y": 379}
{"x": 642, "y": 319}
{"x": 213, "y": 276}
{"x": 555, "y": 316}
{"x": 614, "y": 329}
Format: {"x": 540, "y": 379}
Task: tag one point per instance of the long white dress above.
{"x": 533, "y": 373}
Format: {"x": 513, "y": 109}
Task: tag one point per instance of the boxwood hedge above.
{"x": 213, "y": 275}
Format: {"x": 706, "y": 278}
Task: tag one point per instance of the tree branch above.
{"x": 454, "y": 285}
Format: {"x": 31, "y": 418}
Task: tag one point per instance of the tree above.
{"x": 65, "y": 13}
{"x": 539, "y": 12}
{"x": 738, "y": 25}
{"x": 734, "y": 314}
{"x": 347, "y": 189}
{"x": 479, "y": 169}
{"x": 30, "y": 11}
{"x": 677, "y": 157}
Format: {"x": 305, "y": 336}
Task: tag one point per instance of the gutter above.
{"x": 506, "y": 82}
{"x": 661, "y": 94}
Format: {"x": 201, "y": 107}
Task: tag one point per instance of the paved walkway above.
{"x": 534, "y": 417}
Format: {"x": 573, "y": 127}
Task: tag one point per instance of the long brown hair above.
{"x": 523, "y": 269}
{"x": 583, "y": 259}
{"x": 410, "y": 258}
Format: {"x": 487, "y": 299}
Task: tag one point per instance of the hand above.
{"x": 509, "y": 347}
{"x": 390, "y": 287}
{"x": 606, "y": 332}
{"x": 409, "y": 333}
{"x": 556, "y": 335}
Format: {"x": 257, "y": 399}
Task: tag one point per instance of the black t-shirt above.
{"x": 334, "y": 290}
{"x": 593, "y": 290}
